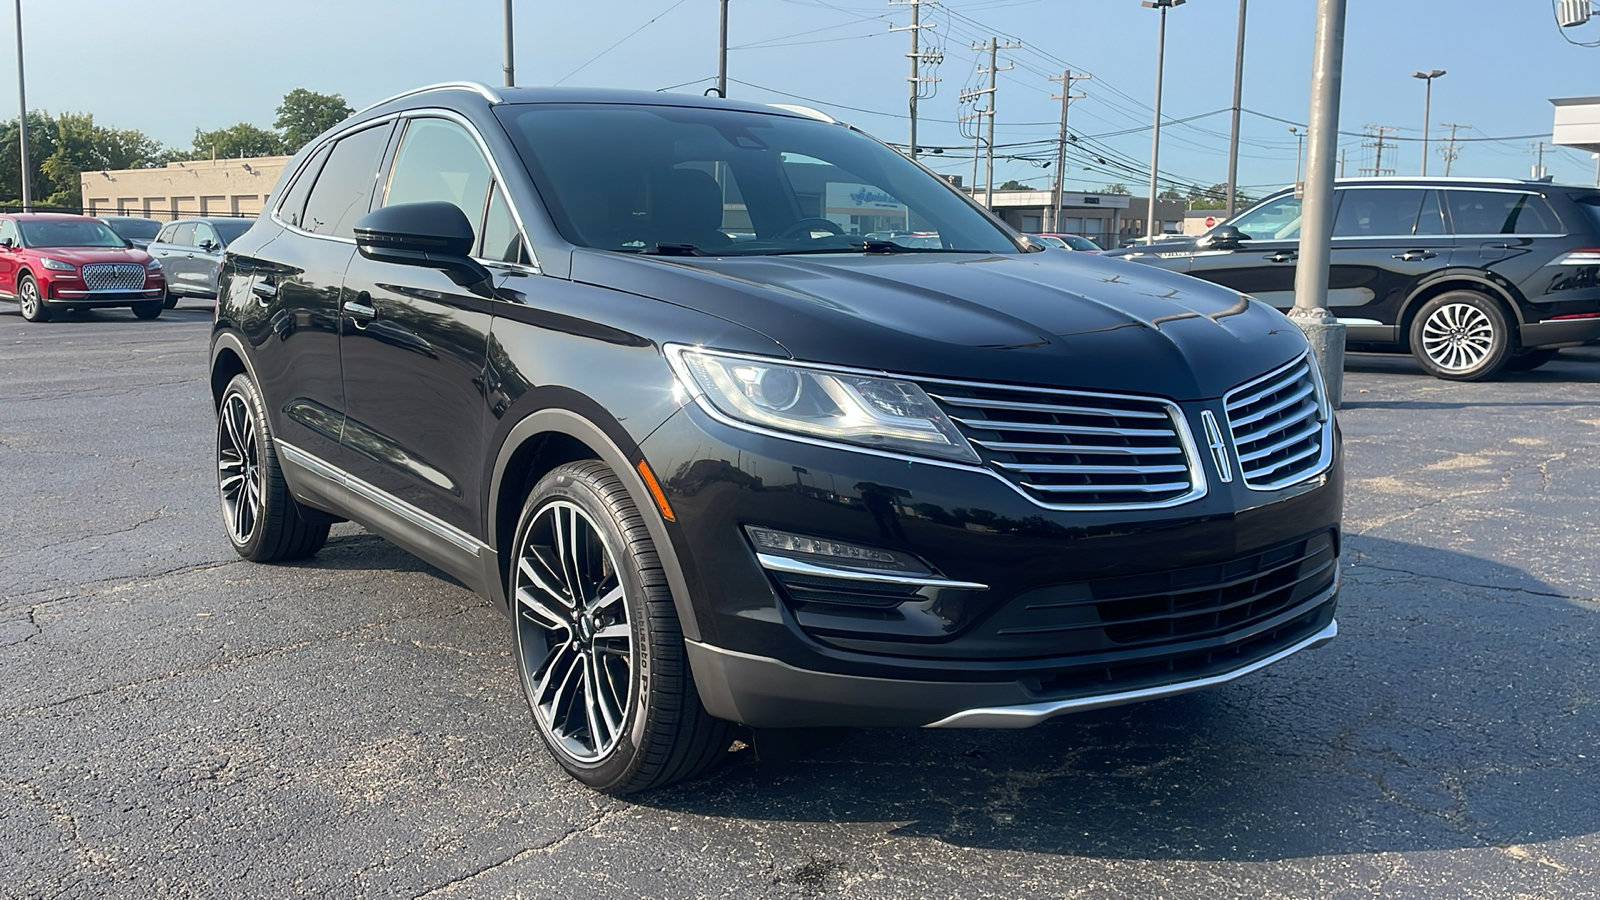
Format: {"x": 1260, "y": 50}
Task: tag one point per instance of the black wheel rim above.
{"x": 573, "y": 635}
{"x": 238, "y": 468}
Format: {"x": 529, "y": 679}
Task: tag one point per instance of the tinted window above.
{"x": 69, "y": 233}
{"x": 1273, "y": 220}
{"x": 1431, "y": 220}
{"x": 501, "y": 239}
{"x": 629, "y": 177}
{"x": 344, "y": 186}
{"x": 1500, "y": 212}
{"x": 438, "y": 160}
{"x": 184, "y": 235}
{"x": 1590, "y": 208}
{"x": 231, "y": 231}
{"x": 1380, "y": 212}
{"x": 1079, "y": 243}
{"x": 143, "y": 229}
{"x": 293, "y": 207}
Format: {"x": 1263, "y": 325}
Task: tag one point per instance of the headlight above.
{"x": 57, "y": 265}
{"x": 153, "y": 265}
{"x": 841, "y": 406}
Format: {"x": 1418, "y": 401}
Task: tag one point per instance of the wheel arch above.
{"x": 1461, "y": 280}
{"x": 228, "y": 359}
{"x": 550, "y": 437}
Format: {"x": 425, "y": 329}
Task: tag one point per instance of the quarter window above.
{"x": 501, "y": 239}
{"x": 439, "y": 160}
{"x": 1274, "y": 220}
{"x": 344, "y": 186}
{"x": 293, "y": 207}
{"x": 1377, "y": 212}
{"x": 1500, "y": 212}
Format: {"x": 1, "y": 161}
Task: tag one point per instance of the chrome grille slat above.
{"x": 1276, "y": 427}
{"x": 113, "y": 276}
{"x": 1077, "y": 450}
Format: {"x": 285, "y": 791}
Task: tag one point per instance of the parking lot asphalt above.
{"x": 176, "y": 722}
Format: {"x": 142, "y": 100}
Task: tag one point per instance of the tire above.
{"x": 1461, "y": 336}
{"x": 261, "y": 517}
{"x": 34, "y": 309}
{"x": 147, "y": 310}
{"x": 170, "y": 301}
{"x": 598, "y": 644}
{"x": 1529, "y": 360}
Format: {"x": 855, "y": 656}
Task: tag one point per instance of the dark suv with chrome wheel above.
{"x": 1471, "y": 276}
{"x": 645, "y": 370}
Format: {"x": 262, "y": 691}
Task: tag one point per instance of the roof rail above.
{"x": 482, "y": 90}
{"x": 806, "y": 111}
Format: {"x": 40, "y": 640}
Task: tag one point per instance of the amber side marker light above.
{"x": 656, "y": 492}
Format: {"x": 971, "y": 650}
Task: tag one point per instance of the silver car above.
{"x": 190, "y": 251}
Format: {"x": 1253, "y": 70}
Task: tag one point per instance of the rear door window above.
{"x": 183, "y": 235}
{"x": 1500, "y": 212}
{"x": 1377, "y": 212}
{"x": 344, "y": 187}
{"x": 293, "y": 207}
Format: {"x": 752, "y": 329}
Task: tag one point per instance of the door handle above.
{"x": 189, "y": 256}
{"x": 360, "y": 307}
{"x": 1415, "y": 255}
{"x": 1283, "y": 256}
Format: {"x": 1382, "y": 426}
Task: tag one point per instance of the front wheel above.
{"x": 1461, "y": 336}
{"x": 598, "y": 643}
{"x": 148, "y": 309}
{"x": 264, "y": 522}
{"x": 169, "y": 300}
{"x": 33, "y": 306}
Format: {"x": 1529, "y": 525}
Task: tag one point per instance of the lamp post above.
{"x": 1299, "y": 144}
{"x": 1155, "y": 137}
{"x": 510, "y": 66}
{"x": 22, "y": 120}
{"x": 1427, "y": 103}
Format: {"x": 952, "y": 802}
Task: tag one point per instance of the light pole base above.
{"x": 1326, "y": 336}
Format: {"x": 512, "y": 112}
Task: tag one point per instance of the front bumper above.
{"x": 1026, "y": 644}
{"x": 85, "y": 299}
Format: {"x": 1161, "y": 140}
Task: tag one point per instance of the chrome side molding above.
{"x": 775, "y": 563}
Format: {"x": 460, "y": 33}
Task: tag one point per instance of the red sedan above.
{"x": 51, "y": 262}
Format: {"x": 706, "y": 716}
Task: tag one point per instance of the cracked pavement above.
{"x": 176, "y": 722}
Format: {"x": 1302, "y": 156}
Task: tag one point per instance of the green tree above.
{"x": 61, "y": 148}
{"x": 1014, "y": 185}
{"x": 241, "y": 140}
{"x": 1117, "y": 188}
{"x": 305, "y": 114}
{"x": 1169, "y": 194}
{"x": 1215, "y": 197}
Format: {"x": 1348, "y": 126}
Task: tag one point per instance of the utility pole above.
{"x": 1450, "y": 151}
{"x": 1323, "y": 331}
{"x": 1155, "y": 136}
{"x": 1238, "y": 94}
{"x": 722, "y": 55}
{"x": 1538, "y": 167}
{"x": 22, "y": 120}
{"x": 1341, "y": 162}
{"x": 1299, "y": 149}
{"x": 1379, "y": 132}
{"x": 917, "y": 57}
{"x": 510, "y": 66}
{"x": 994, "y": 70}
{"x": 1067, "y": 96}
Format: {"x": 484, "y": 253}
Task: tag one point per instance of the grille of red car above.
{"x": 113, "y": 276}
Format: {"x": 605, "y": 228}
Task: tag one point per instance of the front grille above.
{"x": 1076, "y": 450}
{"x": 1277, "y": 426}
{"x": 113, "y": 276}
{"x": 1177, "y": 605}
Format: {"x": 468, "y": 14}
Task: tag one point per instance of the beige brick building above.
{"x": 205, "y": 187}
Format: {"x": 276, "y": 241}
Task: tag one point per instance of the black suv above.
{"x": 643, "y": 369}
{"x": 1471, "y": 276}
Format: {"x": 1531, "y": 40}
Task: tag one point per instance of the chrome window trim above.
{"x": 422, "y": 519}
{"x": 476, "y": 87}
{"x": 1198, "y": 480}
{"x": 330, "y": 139}
{"x": 775, "y": 563}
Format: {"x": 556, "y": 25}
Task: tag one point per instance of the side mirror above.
{"x": 1225, "y": 237}
{"x": 7, "y": 243}
{"x": 432, "y": 234}
{"x": 208, "y": 245}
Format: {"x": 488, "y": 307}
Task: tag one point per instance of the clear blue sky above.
{"x": 166, "y": 67}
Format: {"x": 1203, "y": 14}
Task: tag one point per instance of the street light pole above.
{"x": 722, "y": 55}
{"x": 1238, "y": 93}
{"x": 1427, "y": 110}
{"x": 1155, "y": 137}
{"x": 22, "y": 120}
{"x": 511, "y": 65}
{"x": 1323, "y": 331}
{"x": 1299, "y": 148}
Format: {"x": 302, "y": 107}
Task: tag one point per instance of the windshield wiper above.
{"x": 672, "y": 250}
{"x": 869, "y": 246}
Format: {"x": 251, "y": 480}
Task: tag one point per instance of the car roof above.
{"x": 1448, "y": 181}
{"x": 459, "y": 93}
{"x": 47, "y": 216}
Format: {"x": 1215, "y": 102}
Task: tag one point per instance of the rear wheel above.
{"x": 33, "y": 306}
{"x": 1461, "y": 336}
{"x": 148, "y": 309}
{"x": 598, "y": 643}
{"x": 1529, "y": 360}
{"x": 264, "y": 522}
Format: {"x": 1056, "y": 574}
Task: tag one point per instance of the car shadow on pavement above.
{"x": 1458, "y": 708}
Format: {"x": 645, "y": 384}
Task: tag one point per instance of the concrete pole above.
{"x": 22, "y": 120}
{"x": 1427, "y": 114}
{"x": 1155, "y": 137}
{"x": 511, "y": 64}
{"x": 722, "y": 55}
{"x": 1238, "y": 95}
{"x": 994, "y": 86}
{"x": 1310, "y": 312}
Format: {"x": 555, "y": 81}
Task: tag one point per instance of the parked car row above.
{"x": 54, "y": 262}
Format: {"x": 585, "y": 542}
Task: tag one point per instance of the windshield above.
{"x": 143, "y": 229}
{"x": 68, "y": 233}
{"x": 659, "y": 179}
{"x": 229, "y": 231}
{"x": 1079, "y": 243}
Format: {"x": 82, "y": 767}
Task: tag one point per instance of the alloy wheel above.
{"x": 1458, "y": 337}
{"x": 239, "y": 474}
{"x": 573, "y": 631}
{"x": 29, "y": 299}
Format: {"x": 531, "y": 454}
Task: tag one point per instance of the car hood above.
{"x": 1058, "y": 319}
{"x": 83, "y": 255}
